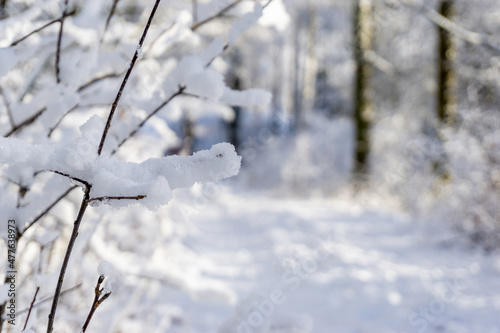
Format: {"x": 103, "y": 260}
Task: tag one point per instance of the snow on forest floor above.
{"x": 333, "y": 266}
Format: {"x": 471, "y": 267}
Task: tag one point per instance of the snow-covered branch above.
{"x": 447, "y": 24}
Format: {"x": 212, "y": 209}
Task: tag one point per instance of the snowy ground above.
{"x": 331, "y": 266}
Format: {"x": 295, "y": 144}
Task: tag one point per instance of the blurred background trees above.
{"x": 402, "y": 94}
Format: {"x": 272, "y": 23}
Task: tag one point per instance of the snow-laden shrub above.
{"x": 63, "y": 66}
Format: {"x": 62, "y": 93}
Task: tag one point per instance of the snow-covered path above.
{"x": 332, "y": 266}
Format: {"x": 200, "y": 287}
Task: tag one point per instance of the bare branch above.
{"x": 60, "y": 119}
{"x": 7, "y": 107}
{"x": 111, "y": 13}
{"x": 31, "y": 308}
{"x": 46, "y": 210}
{"x": 379, "y": 62}
{"x": 125, "y": 79}
{"x": 59, "y": 40}
{"x": 155, "y": 111}
{"x": 62, "y": 272}
{"x": 107, "y": 198}
{"x": 99, "y": 297}
{"x": 26, "y": 122}
{"x": 84, "y": 182}
{"x": 158, "y": 37}
{"x": 76, "y": 107}
{"x": 97, "y": 79}
{"x": 59, "y": 19}
{"x": 267, "y": 4}
{"x": 217, "y": 15}
{"x": 49, "y": 298}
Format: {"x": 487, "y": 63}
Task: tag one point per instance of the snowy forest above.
{"x": 250, "y": 166}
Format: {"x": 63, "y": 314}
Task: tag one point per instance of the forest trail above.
{"x": 340, "y": 268}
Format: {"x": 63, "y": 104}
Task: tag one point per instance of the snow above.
{"x": 7, "y": 60}
{"x": 139, "y": 51}
{"x": 336, "y": 263}
{"x": 275, "y": 16}
{"x": 105, "y": 268}
{"x": 214, "y": 49}
{"x": 199, "y": 80}
{"x": 149, "y": 182}
{"x": 60, "y": 100}
{"x": 205, "y": 82}
{"x": 112, "y": 282}
{"x": 243, "y": 24}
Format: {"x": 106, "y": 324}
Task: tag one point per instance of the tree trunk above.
{"x": 446, "y": 99}
{"x": 234, "y": 82}
{"x": 234, "y": 124}
{"x": 363, "y": 106}
{"x": 3, "y": 14}
{"x": 311, "y": 63}
{"x": 297, "y": 77}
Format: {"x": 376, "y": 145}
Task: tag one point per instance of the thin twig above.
{"x": 84, "y": 182}
{"x": 158, "y": 37}
{"x": 195, "y": 26}
{"x": 99, "y": 78}
{"x": 267, "y": 4}
{"x": 59, "y": 40}
{"x": 31, "y": 307}
{"x": 111, "y": 13}
{"x": 7, "y": 107}
{"x": 107, "y": 198}
{"x": 226, "y": 46}
{"x": 155, "y": 111}
{"x": 25, "y": 122}
{"x": 49, "y": 298}
{"x": 125, "y": 79}
{"x": 46, "y": 210}
{"x": 76, "y": 107}
{"x": 60, "y": 120}
{"x": 62, "y": 272}
{"x": 99, "y": 297}
{"x": 59, "y": 19}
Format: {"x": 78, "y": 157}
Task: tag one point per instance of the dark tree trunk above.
{"x": 234, "y": 124}
{"x": 3, "y": 13}
{"x": 234, "y": 82}
{"x": 446, "y": 99}
{"x": 363, "y": 40}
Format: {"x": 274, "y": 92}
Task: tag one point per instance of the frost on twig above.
{"x": 116, "y": 182}
{"x": 107, "y": 283}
